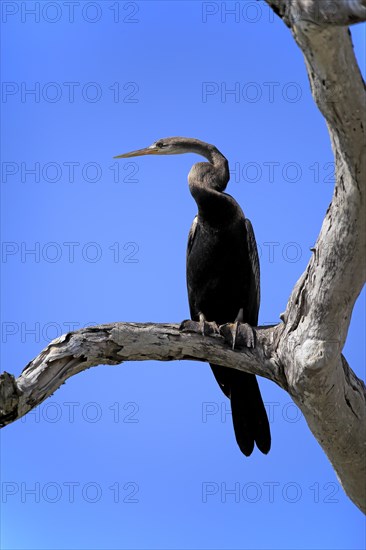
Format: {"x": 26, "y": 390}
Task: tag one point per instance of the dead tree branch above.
{"x": 118, "y": 342}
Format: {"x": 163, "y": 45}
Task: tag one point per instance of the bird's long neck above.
{"x": 207, "y": 181}
{"x": 218, "y": 167}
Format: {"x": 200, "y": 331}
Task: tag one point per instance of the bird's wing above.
{"x": 254, "y": 287}
{"x": 191, "y": 235}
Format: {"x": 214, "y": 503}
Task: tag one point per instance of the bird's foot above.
{"x": 238, "y": 335}
{"x": 206, "y": 328}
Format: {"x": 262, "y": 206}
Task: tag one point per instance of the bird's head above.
{"x": 168, "y": 146}
{"x": 217, "y": 168}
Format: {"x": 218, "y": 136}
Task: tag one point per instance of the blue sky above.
{"x": 143, "y": 456}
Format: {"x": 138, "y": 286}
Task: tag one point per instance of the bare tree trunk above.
{"x": 303, "y": 355}
{"x": 320, "y": 307}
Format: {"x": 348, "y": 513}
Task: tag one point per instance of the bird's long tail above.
{"x": 249, "y": 414}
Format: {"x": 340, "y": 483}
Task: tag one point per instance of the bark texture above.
{"x": 320, "y": 12}
{"x": 320, "y": 307}
{"x": 303, "y": 354}
{"x": 118, "y": 342}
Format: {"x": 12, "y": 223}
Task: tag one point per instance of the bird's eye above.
{"x": 160, "y": 144}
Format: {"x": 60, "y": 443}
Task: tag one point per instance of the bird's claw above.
{"x": 238, "y": 335}
{"x": 209, "y": 328}
{"x": 206, "y": 328}
{"x": 229, "y": 332}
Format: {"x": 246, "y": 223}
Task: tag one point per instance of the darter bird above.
{"x": 222, "y": 278}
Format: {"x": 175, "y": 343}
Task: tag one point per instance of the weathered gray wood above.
{"x": 320, "y": 307}
{"x": 112, "y": 344}
{"x": 320, "y": 12}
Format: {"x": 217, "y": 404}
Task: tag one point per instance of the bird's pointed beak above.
{"x": 139, "y": 153}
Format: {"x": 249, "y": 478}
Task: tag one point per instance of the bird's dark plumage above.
{"x": 222, "y": 276}
{"x": 222, "y": 279}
